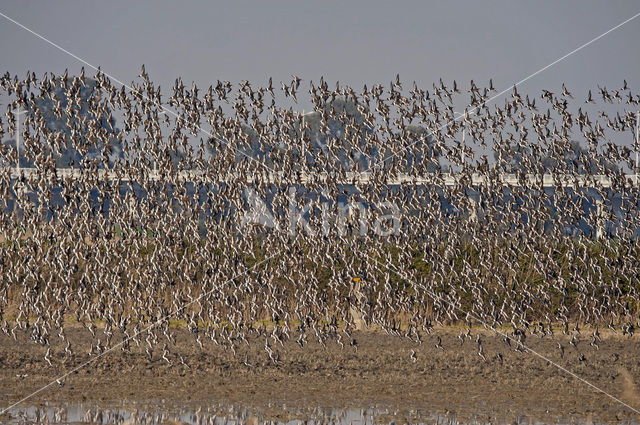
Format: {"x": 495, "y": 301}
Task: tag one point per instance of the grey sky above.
{"x": 355, "y": 42}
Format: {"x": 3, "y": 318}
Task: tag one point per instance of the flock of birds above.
{"x": 134, "y": 257}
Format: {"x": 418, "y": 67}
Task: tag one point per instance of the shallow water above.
{"x": 161, "y": 413}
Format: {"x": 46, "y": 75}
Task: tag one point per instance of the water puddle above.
{"x": 160, "y": 413}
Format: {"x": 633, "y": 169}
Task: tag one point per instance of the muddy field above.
{"x": 382, "y": 372}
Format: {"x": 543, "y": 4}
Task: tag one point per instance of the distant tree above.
{"x": 577, "y": 159}
{"x": 421, "y": 141}
{"x": 340, "y": 113}
{"x": 567, "y": 157}
{"x": 63, "y": 127}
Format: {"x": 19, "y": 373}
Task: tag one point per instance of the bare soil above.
{"x": 380, "y": 373}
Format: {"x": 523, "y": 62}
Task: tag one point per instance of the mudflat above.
{"x": 444, "y": 373}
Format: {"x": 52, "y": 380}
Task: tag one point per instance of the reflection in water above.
{"x": 147, "y": 414}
